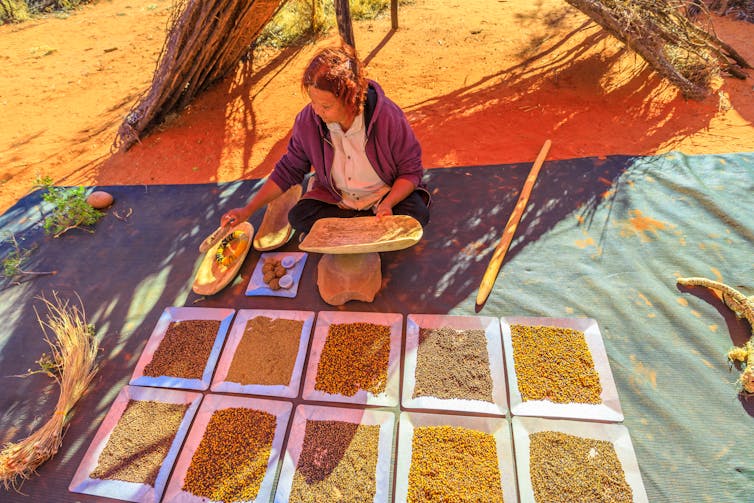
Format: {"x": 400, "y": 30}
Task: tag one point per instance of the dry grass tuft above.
{"x": 72, "y": 364}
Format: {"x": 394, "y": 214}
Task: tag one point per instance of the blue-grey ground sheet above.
{"x": 601, "y": 238}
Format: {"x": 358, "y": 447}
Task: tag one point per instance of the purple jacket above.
{"x": 391, "y": 147}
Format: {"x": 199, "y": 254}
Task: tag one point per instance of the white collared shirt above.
{"x": 352, "y": 172}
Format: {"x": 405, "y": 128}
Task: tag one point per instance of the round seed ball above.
{"x": 99, "y": 199}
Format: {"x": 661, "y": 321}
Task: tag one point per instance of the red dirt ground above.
{"x": 482, "y": 82}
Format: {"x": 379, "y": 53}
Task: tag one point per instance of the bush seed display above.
{"x": 453, "y": 464}
{"x": 139, "y": 442}
{"x": 184, "y": 350}
{"x": 355, "y": 356}
{"x": 453, "y": 364}
{"x": 554, "y": 364}
{"x": 266, "y": 354}
{"x": 566, "y": 468}
{"x": 338, "y": 462}
{"x": 231, "y": 460}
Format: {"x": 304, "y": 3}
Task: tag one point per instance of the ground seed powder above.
{"x": 139, "y": 442}
{"x": 566, "y": 468}
{"x": 231, "y": 460}
{"x": 453, "y": 364}
{"x": 554, "y": 364}
{"x": 338, "y": 463}
{"x": 184, "y": 350}
{"x": 355, "y": 356}
{"x": 453, "y": 464}
{"x": 267, "y": 352}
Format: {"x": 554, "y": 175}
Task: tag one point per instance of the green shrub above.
{"x": 13, "y": 11}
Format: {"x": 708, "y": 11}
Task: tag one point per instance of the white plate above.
{"x": 497, "y": 427}
{"x": 131, "y": 491}
{"x": 389, "y": 397}
{"x": 491, "y": 327}
{"x": 608, "y": 410}
{"x": 170, "y": 315}
{"x": 617, "y": 434}
{"x": 257, "y": 286}
{"x": 386, "y": 421}
{"x": 219, "y": 383}
{"x": 211, "y": 404}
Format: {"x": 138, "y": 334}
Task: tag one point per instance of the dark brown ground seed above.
{"x": 338, "y": 463}
{"x": 139, "y": 442}
{"x": 267, "y": 352}
{"x": 231, "y": 460}
{"x": 566, "y": 468}
{"x": 184, "y": 350}
{"x": 453, "y": 464}
{"x": 554, "y": 364}
{"x": 355, "y": 356}
{"x": 453, "y": 364}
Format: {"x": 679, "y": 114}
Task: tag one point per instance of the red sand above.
{"x": 484, "y": 83}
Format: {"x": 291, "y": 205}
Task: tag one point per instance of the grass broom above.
{"x": 72, "y": 365}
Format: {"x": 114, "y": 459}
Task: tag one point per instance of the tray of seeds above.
{"x": 558, "y": 367}
{"x": 232, "y": 452}
{"x": 183, "y": 348}
{"x": 264, "y": 353}
{"x": 136, "y": 445}
{"x": 454, "y": 363}
{"x": 337, "y": 454}
{"x": 355, "y": 358}
{"x": 452, "y": 458}
{"x": 565, "y": 460}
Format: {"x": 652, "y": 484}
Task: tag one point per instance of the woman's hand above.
{"x": 234, "y": 217}
{"x": 382, "y": 209}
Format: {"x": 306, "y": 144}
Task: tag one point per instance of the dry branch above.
{"x": 675, "y": 46}
{"x": 205, "y": 42}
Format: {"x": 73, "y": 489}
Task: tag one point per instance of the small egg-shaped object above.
{"x": 288, "y": 261}
{"x": 285, "y": 281}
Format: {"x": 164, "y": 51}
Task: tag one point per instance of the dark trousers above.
{"x": 307, "y": 211}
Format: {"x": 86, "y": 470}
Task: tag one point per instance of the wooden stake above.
{"x": 490, "y": 275}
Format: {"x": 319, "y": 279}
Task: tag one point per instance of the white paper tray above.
{"x": 131, "y": 491}
{"x": 212, "y": 403}
{"x": 386, "y": 421}
{"x": 609, "y": 410}
{"x": 219, "y": 383}
{"x": 389, "y": 397}
{"x": 170, "y": 315}
{"x": 257, "y": 286}
{"x": 617, "y": 434}
{"x": 497, "y": 427}
{"x": 491, "y": 327}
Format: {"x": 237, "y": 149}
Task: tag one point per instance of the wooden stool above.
{"x": 356, "y": 276}
{"x": 350, "y": 267}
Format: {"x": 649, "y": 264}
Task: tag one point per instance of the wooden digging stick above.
{"x": 490, "y": 275}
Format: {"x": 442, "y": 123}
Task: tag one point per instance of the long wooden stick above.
{"x": 488, "y": 280}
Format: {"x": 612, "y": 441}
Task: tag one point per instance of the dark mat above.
{"x": 601, "y": 238}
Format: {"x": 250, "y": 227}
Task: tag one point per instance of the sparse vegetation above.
{"x": 16, "y": 11}
{"x": 299, "y": 20}
{"x": 12, "y": 264}
{"x": 69, "y": 208}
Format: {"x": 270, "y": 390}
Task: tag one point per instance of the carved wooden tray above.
{"x": 362, "y": 234}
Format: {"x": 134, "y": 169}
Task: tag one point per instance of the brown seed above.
{"x": 355, "y": 356}
{"x": 231, "y": 460}
{"x": 453, "y": 464}
{"x": 554, "y": 364}
{"x": 338, "y": 462}
{"x": 453, "y": 364}
{"x": 139, "y": 442}
{"x": 566, "y": 468}
{"x": 184, "y": 350}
